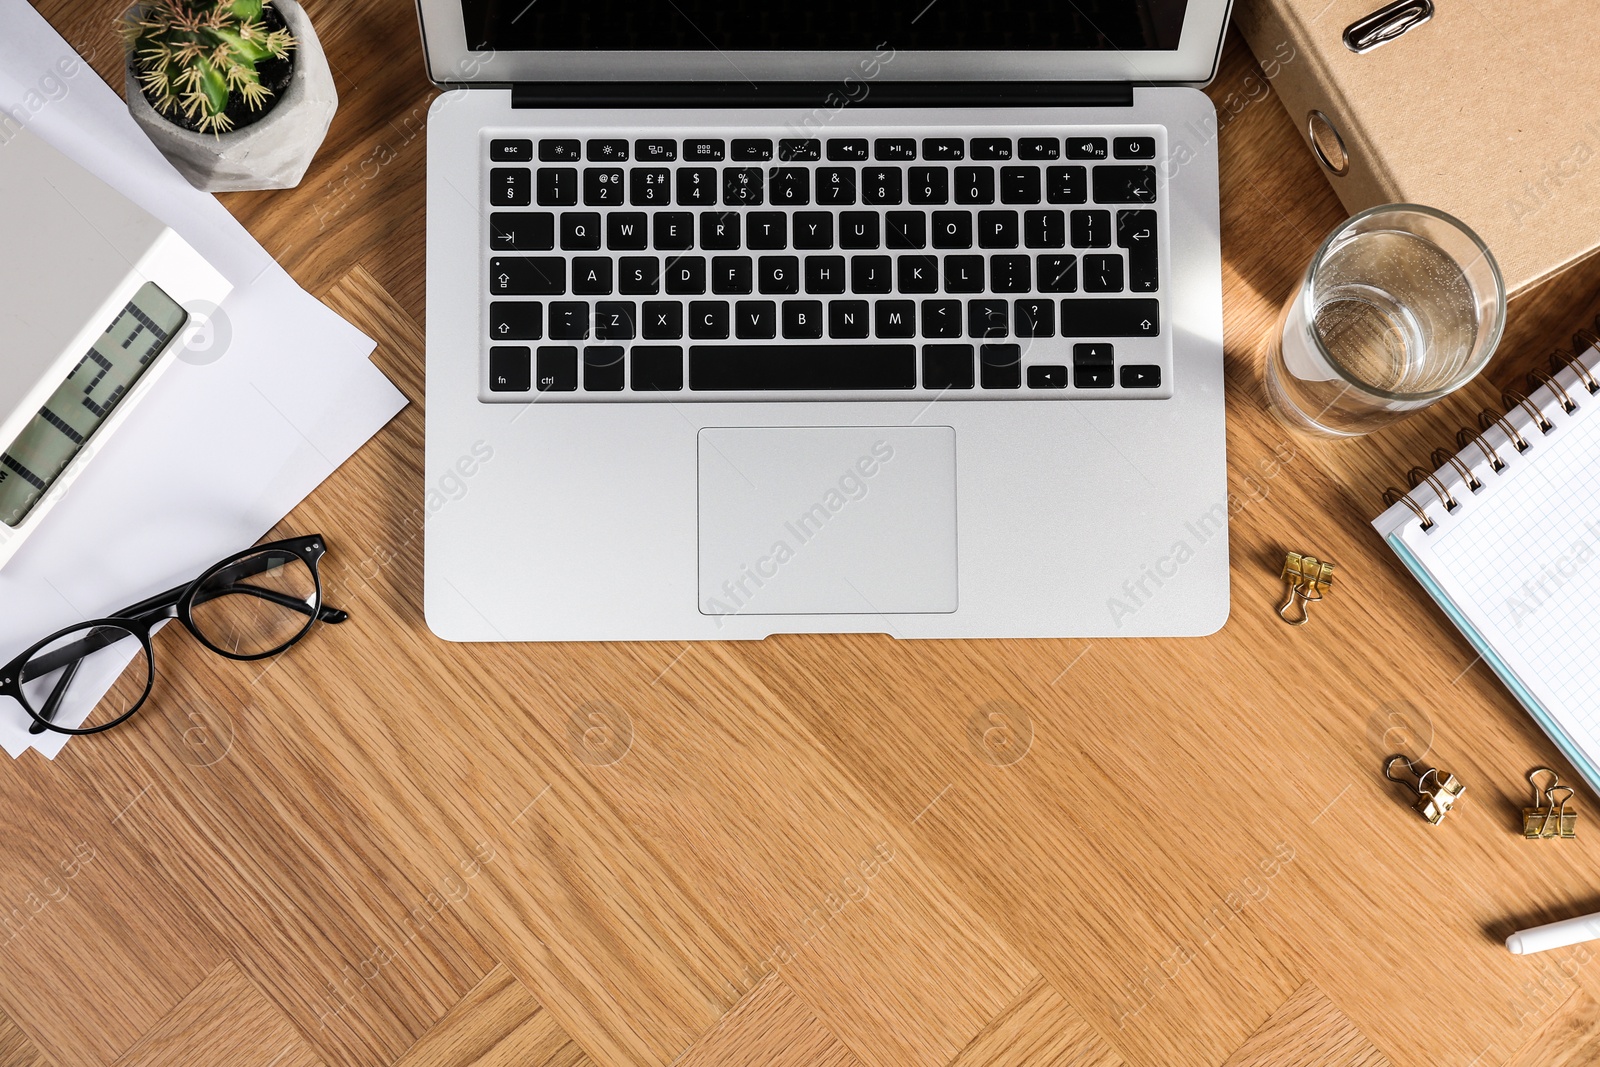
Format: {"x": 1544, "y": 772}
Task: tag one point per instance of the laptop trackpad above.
{"x": 807, "y": 520}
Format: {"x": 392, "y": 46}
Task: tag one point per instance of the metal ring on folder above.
{"x": 1416, "y": 476}
{"x": 1392, "y": 496}
{"x": 1467, "y": 435}
{"x": 1537, "y": 378}
{"x": 1584, "y": 374}
{"x": 1510, "y": 397}
{"x": 1441, "y": 456}
{"x": 1487, "y": 418}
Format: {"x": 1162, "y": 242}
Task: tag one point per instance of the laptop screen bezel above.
{"x": 452, "y": 65}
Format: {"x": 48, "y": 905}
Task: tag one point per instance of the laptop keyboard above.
{"x": 983, "y": 264}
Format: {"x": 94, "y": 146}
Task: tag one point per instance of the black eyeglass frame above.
{"x": 140, "y": 621}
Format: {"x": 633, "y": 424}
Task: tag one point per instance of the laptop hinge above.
{"x": 824, "y": 96}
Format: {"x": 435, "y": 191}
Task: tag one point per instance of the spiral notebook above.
{"x": 1505, "y": 535}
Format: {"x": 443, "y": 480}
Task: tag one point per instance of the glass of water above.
{"x": 1402, "y": 305}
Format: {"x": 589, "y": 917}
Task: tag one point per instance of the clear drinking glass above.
{"x": 1402, "y": 305}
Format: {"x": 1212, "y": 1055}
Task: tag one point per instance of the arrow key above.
{"x": 516, "y": 320}
{"x": 1141, "y": 376}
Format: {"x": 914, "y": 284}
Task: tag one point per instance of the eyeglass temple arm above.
{"x": 57, "y": 695}
{"x": 324, "y": 613}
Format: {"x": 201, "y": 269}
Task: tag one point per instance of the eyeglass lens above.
{"x": 87, "y": 678}
{"x": 256, "y": 605}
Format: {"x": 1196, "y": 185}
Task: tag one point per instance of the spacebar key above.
{"x": 718, "y": 368}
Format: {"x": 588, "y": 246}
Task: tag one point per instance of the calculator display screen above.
{"x": 49, "y": 442}
{"x": 824, "y": 25}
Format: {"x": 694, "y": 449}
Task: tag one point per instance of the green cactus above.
{"x": 192, "y": 55}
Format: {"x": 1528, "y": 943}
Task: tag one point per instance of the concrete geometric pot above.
{"x": 271, "y": 153}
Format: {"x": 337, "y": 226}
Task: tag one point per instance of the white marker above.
{"x": 1555, "y": 935}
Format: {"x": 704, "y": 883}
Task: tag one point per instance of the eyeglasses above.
{"x": 95, "y": 675}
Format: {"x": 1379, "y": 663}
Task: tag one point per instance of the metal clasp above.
{"x": 1308, "y": 579}
{"x": 1437, "y": 791}
{"x": 1386, "y": 23}
{"x": 1549, "y": 817}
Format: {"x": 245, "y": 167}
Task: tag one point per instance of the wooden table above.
{"x": 384, "y": 849}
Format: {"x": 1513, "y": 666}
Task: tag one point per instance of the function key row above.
{"x": 838, "y": 149}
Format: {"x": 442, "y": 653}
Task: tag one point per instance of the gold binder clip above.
{"x": 1308, "y": 579}
{"x": 1437, "y": 791}
{"x": 1549, "y": 817}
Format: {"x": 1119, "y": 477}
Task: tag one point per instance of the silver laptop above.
{"x": 849, "y": 316}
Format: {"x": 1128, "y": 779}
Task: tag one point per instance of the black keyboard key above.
{"x": 767, "y": 230}
{"x": 1136, "y": 231}
{"x": 906, "y": 229}
{"x": 580, "y": 231}
{"x": 719, "y": 230}
{"x": 997, "y": 229}
{"x": 602, "y": 186}
{"x": 1010, "y": 274}
{"x": 847, "y": 148}
{"x": 1035, "y": 318}
{"x": 638, "y": 275}
{"x": 1094, "y": 378}
{"x": 511, "y": 151}
{"x": 894, "y": 149}
{"x": 557, "y": 369}
{"x": 859, "y": 229}
{"x": 510, "y": 369}
{"x": 1066, "y": 185}
{"x": 627, "y": 231}
{"x": 813, "y": 229}
{"x": 988, "y": 318}
{"x": 779, "y": 275}
{"x": 686, "y": 275}
{"x": 836, "y": 186}
{"x": 881, "y": 185}
{"x": 527, "y": 276}
{"x": 825, "y": 274}
{"x": 559, "y": 150}
{"x": 848, "y": 319}
{"x": 963, "y": 274}
{"x": 556, "y": 186}
{"x": 732, "y": 275}
{"x": 1091, "y": 229}
{"x": 604, "y": 368}
{"x": 607, "y": 150}
{"x": 802, "y": 319}
{"x": 871, "y": 274}
{"x": 895, "y": 318}
{"x": 697, "y": 186}
{"x": 650, "y": 186}
{"x": 1047, "y": 376}
{"x": 591, "y": 275}
{"x": 945, "y": 148}
{"x": 799, "y": 149}
{"x": 947, "y": 367}
{"x": 1044, "y": 229}
{"x": 1110, "y": 317}
{"x": 1058, "y": 274}
{"x": 928, "y": 185}
{"x": 656, "y": 369}
{"x": 615, "y": 320}
{"x": 1133, "y": 147}
{"x": 510, "y": 187}
{"x": 753, "y": 150}
{"x": 1093, "y": 366}
{"x": 755, "y": 320}
{"x": 522, "y": 231}
{"x": 1000, "y": 366}
{"x": 790, "y": 186}
{"x": 662, "y": 320}
{"x": 991, "y": 148}
{"x": 974, "y": 185}
{"x": 1102, "y": 274}
{"x": 569, "y": 320}
{"x": 1019, "y": 185}
{"x": 655, "y": 151}
{"x": 1086, "y": 148}
{"x": 918, "y": 274}
{"x": 716, "y": 368}
{"x": 742, "y": 186}
{"x": 1125, "y": 185}
{"x": 674, "y": 231}
{"x": 516, "y": 320}
{"x": 709, "y": 320}
{"x": 941, "y": 318}
{"x": 952, "y": 229}
{"x": 1038, "y": 148}
{"x": 1141, "y": 376}
{"x": 703, "y": 151}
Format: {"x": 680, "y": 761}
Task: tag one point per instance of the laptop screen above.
{"x": 823, "y": 25}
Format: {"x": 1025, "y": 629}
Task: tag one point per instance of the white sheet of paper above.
{"x": 221, "y": 450}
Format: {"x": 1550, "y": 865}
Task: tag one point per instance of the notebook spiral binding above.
{"x": 1468, "y": 438}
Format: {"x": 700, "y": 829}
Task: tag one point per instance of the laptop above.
{"x": 850, "y": 316}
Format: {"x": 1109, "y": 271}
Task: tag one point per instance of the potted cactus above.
{"x": 236, "y": 93}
